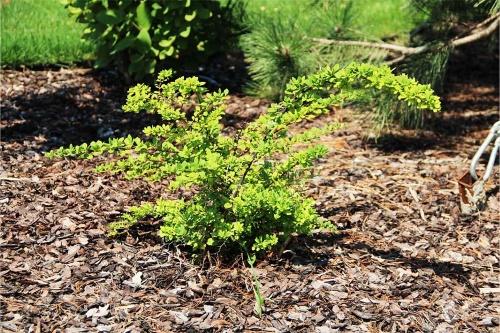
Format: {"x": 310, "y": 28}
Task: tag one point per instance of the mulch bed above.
{"x": 404, "y": 260}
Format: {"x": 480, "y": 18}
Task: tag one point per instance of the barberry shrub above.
{"x": 247, "y": 186}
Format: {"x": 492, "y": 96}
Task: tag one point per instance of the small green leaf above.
{"x": 170, "y": 51}
{"x": 123, "y": 44}
{"x": 109, "y": 17}
{"x": 166, "y": 52}
{"x": 144, "y": 38}
{"x": 143, "y": 19}
{"x": 201, "y": 46}
{"x": 167, "y": 42}
{"x": 74, "y": 10}
{"x": 185, "y": 33}
{"x": 190, "y": 17}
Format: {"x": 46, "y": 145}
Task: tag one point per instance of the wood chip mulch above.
{"x": 405, "y": 259}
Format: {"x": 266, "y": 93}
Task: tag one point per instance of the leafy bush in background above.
{"x": 139, "y": 36}
{"x": 247, "y": 187}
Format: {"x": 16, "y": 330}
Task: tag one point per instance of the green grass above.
{"x": 281, "y": 45}
{"x": 374, "y": 19}
{"x": 378, "y": 19}
{"x": 39, "y": 32}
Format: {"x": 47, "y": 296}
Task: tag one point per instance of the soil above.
{"x": 404, "y": 260}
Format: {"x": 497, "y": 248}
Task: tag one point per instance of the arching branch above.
{"x": 480, "y": 31}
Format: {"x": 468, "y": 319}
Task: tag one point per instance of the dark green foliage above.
{"x": 446, "y": 19}
{"x": 279, "y": 46}
{"x": 248, "y": 187}
{"x": 140, "y": 36}
{"x": 277, "y": 50}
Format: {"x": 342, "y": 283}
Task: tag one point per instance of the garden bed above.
{"x": 404, "y": 259}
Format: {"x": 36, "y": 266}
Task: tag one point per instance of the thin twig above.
{"x": 242, "y": 179}
{"x": 13, "y": 179}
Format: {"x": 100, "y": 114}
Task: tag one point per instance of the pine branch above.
{"x": 384, "y": 46}
{"x": 486, "y": 22}
{"x": 477, "y": 33}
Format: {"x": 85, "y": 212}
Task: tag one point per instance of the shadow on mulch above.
{"x": 73, "y": 108}
{"x": 450, "y": 270}
{"x": 301, "y": 254}
{"x": 472, "y": 82}
{"x": 89, "y": 109}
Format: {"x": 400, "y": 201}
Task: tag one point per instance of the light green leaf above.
{"x": 166, "y": 52}
{"x": 74, "y": 11}
{"x": 185, "y": 33}
{"x": 143, "y": 19}
{"x": 190, "y": 17}
{"x": 144, "y": 38}
{"x": 167, "y": 42}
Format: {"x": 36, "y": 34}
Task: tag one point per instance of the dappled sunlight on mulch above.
{"x": 404, "y": 259}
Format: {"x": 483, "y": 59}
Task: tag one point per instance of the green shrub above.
{"x": 138, "y": 36}
{"x": 247, "y": 186}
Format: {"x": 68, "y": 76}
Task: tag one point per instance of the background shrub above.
{"x": 139, "y": 37}
{"x": 279, "y": 46}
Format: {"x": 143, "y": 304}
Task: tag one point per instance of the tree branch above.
{"x": 486, "y": 22}
{"x": 384, "y": 46}
{"x": 477, "y": 33}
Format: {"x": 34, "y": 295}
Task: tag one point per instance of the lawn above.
{"x": 52, "y": 37}
{"x": 373, "y": 19}
{"x": 39, "y": 33}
